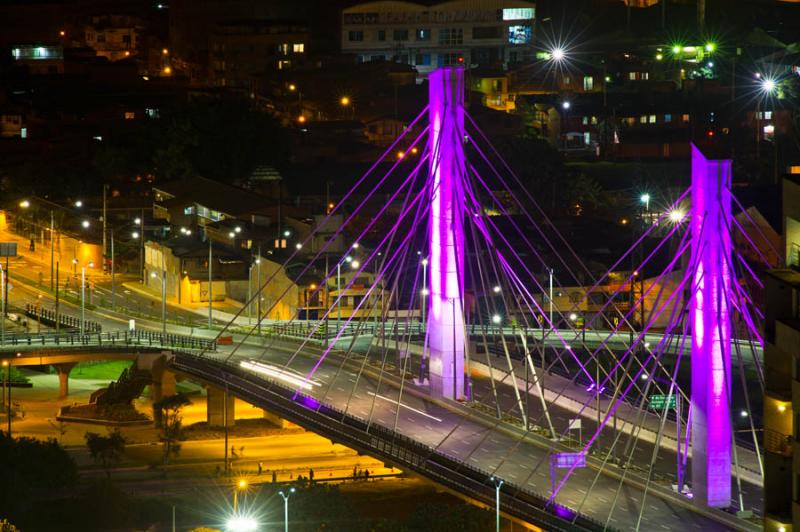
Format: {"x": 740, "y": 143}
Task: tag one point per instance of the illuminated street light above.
{"x": 557, "y": 54}
{"x": 676, "y": 49}
{"x": 425, "y": 292}
{"x": 298, "y": 245}
{"x": 743, "y": 413}
{"x": 241, "y": 524}
{"x": 710, "y": 47}
{"x": 573, "y": 316}
{"x": 497, "y": 318}
{"x": 768, "y": 85}
{"x": 496, "y": 289}
{"x": 24, "y": 204}
{"x": 355, "y": 245}
{"x": 424, "y": 262}
{"x": 345, "y": 101}
{"x": 79, "y": 204}
{"x": 231, "y": 234}
{"x": 286, "y": 508}
{"x": 85, "y": 224}
{"x": 135, "y": 234}
{"x": 348, "y": 258}
{"x": 645, "y": 198}
{"x": 167, "y": 70}
{"x": 659, "y": 57}
{"x": 237, "y": 229}
{"x": 566, "y": 105}
{"x": 287, "y": 233}
{"x": 137, "y": 221}
{"x": 301, "y": 119}
{"x": 498, "y": 483}
{"x": 676, "y": 215}
{"x": 355, "y": 264}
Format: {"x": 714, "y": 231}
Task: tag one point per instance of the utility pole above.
{"x": 260, "y": 294}
{"x": 52, "y": 246}
{"x": 113, "y": 282}
{"x": 105, "y": 249}
{"x": 58, "y": 320}
{"x": 210, "y": 310}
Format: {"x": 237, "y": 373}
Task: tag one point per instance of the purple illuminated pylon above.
{"x": 711, "y": 331}
{"x": 446, "y": 316}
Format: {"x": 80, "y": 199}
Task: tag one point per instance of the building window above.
{"x": 594, "y": 120}
{"x": 486, "y": 32}
{"x": 298, "y": 48}
{"x": 423, "y": 59}
{"x": 188, "y": 210}
{"x": 585, "y": 121}
{"x": 566, "y": 80}
{"x": 685, "y": 117}
{"x": 451, "y": 36}
{"x": 587, "y": 138}
{"x": 643, "y": 119}
{"x": 381, "y": 35}
{"x": 652, "y": 119}
{"x": 765, "y": 115}
{"x": 355, "y": 36}
{"x": 283, "y": 48}
{"x": 130, "y": 115}
{"x": 519, "y": 34}
{"x": 667, "y": 118}
{"x": 588, "y": 83}
{"x": 423, "y": 34}
{"x": 400, "y": 35}
{"x": 632, "y": 76}
{"x": 23, "y": 132}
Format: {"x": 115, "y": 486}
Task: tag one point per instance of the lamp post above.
{"x": 425, "y": 290}
{"x": 260, "y": 295}
{"x": 286, "y": 508}
{"x": 240, "y": 485}
{"x": 83, "y": 297}
{"x": 498, "y": 483}
{"x": 3, "y": 309}
{"x": 210, "y": 273}
{"x": 140, "y": 234}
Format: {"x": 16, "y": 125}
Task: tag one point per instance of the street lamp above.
{"x": 79, "y": 204}
{"x": 558, "y": 54}
{"x": 498, "y": 483}
{"x": 645, "y": 198}
{"x": 85, "y": 224}
{"x": 676, "y": 216}
{"x": 566, "y": 105}
{"x": 286, "y": 508}
{"x": 24, "y": 204}
{"x": 241, "y": 524}
{"x": 83, "y": 297}
{"x": 241, "y": 485}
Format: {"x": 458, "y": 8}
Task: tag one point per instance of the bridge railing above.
{"x": 384, "y": 442}
{"x": 50, "y": 318}
{"x": 106, "y": 339}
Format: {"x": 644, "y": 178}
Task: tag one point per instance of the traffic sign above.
{"x": 8, "y": 249}
{"x": 658, "y": 401}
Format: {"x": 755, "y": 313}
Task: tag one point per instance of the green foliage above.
{"x": 31, "y": 468}
{"x": 107, "y": 450}
{"x": 168, "y": 416}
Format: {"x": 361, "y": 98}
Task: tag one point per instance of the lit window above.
{"x": 588, "y": 83}
{"x": 769, "y": 132}
{"x": 518, "y": 13}
{"x": 594, "y": 120}
{"x": 423, "y": 34}
{"x": 652, "y": 119}
{"x": 519, "y": 34}
{"x": 130, "y": 115}
{"x": 667, "y": 118}
{"x": 566, "y": 80}
{"x": 23, "y": 133}
{"x": 587, "y": 138}
{"x": 298, "y": 48}
{"x": 632, "y": 76}
{"x": 685, "y": 117}
{"x": 643, "y": 119}
{"x": 645, "y": 75}
{"x": 585, "y": 121}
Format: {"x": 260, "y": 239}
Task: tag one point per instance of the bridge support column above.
{"x": 445, "y": 323}
{"x": 218, "y": 405}
{"x": 278, "y": 421}
{"x": 163, "y": 383}
{"x": 711, "y": 331}
{"x": 63, "y": 370}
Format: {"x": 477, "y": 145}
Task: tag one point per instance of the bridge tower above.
{"x": 445, "y": 322}
{"x": 711, "y": 330}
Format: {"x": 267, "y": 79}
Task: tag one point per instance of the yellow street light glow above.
{"x": 85, "y": 224}
{"x": 62, "y": 33}
{"x": 281, "y": 374}
{"x": 292, "y": 87}
{"x": 164, "y": 51}
{"x": 301, "y": 119}
{"x": 659, "y": 57}
{"x": 781, "y": 408}
{"x": 167, "y": 70}
{"x": 710, "y": 47}
{"x": 242, "y": 484}
{"x": 24, "y": 204}
{"x": 676, "y": 49}
{"x": 676, "y": 215}
{"x": 401, "y": 154}
{"x": 345, "y": 101}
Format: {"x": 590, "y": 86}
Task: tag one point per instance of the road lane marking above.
{"x": 406, "y": 406}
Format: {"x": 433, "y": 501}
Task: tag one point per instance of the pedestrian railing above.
{"x": 108, "y": 339}
{"x": 51, "y": 318}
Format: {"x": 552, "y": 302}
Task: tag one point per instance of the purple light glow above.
{"x": 446, "y": 317}
{"x": 711, "y": 331}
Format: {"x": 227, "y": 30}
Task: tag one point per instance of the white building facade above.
{"x": 486, "y": 33}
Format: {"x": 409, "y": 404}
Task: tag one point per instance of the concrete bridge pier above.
{"x": 63, "y": 370}
{"x": 278, "y": 421}
{"x": 220, "y": 407}
{"x": 163, "y": 384}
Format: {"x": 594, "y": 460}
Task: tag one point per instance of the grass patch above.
{"x": 109, "y": 370}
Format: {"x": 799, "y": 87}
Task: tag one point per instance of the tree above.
{"x": 168, "y": 416}
{"x": 30, "y": 467}
{"x": 107, "y": 450}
